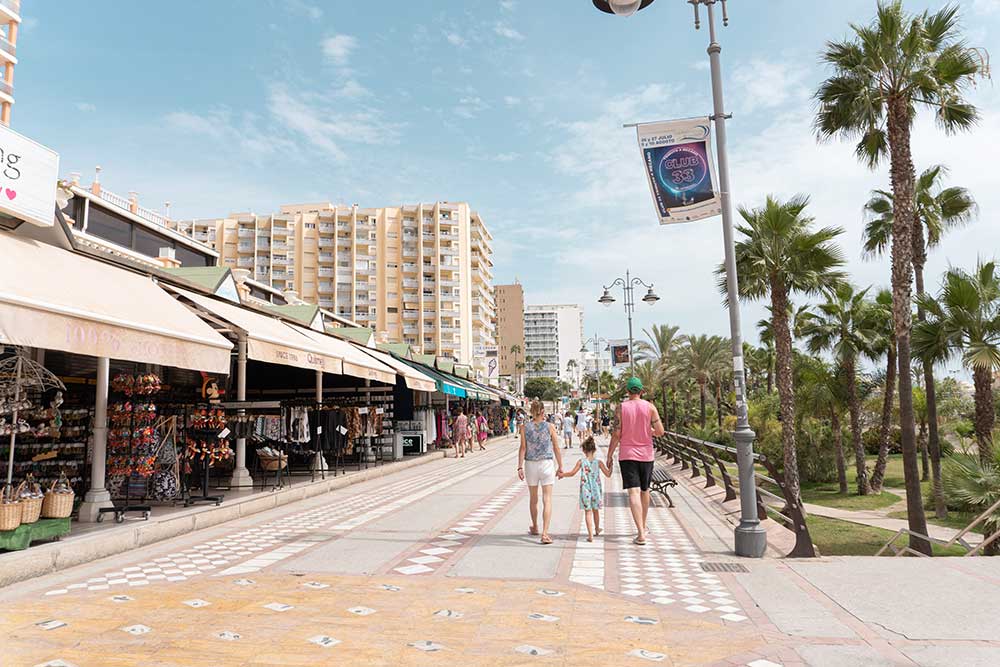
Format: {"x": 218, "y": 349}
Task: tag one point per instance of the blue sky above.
{"x": 513, "y": 105}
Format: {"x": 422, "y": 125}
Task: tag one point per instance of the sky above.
{"x": 515, "y": 106}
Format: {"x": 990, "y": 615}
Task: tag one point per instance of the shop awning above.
{"x": 472, "y": 390}
{"x": 414, "y": 379}
{"x": 268, "y": 338}
{"x": 443, "y": 383}
{"x": 55, "y": 299}
{"x": 356, "y": 362}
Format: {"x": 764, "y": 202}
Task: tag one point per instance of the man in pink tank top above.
{"x": 638, "y": 422}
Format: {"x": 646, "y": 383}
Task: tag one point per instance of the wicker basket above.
{"x": 31, "y": 509}
{"x": 271, "y": 464}
{"x": 57, "y": 505}
{"x": 10, "y": 512}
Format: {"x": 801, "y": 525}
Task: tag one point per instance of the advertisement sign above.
{"x": 492, "y": 364}
{"x": 28, "y": 175}
{"x": 677, "y": 158}
{"x": 619, "y": 353}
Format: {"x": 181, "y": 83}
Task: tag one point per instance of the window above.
{"x": 392, "y": 310}
{"x": 109, "y": 227}
{"x": 188, "y": 257}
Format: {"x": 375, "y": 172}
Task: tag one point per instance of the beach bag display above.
{"x": 10, "y": 508}
{"x": 58, "y": 501}
{"x": 30, "y": 498}
{"x": 165, "y": 485}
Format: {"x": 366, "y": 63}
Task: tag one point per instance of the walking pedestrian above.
{"x": 473, "y": 431}
{"x": 539, "y": 463}
{"x": 567, "y": 426}
{"x": 637, "y": 423}
{"x": 591, "y": 493}
{"x": 484, "y": 429}
{"x": 461, "y": 434}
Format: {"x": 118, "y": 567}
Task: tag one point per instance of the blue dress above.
{"x": 591, "y": 494}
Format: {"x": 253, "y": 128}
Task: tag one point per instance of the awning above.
{"x": 472, "y": 390}
{"x": 55, "y": 299}
{"x": 443, "y": 384}
{"x": 414, "y": 379}
{"x": 356, "y": 362}
{"x": 268, "y": 338}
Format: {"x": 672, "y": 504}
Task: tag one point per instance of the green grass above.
{"x": 956, "y": 520}
{"x": 842, "y": 538}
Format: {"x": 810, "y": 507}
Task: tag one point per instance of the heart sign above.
{"x": 10, "y": 193}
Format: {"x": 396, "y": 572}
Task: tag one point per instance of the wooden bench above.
{"x": 661, "y": 480}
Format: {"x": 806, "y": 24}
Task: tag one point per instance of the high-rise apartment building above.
{"x": 10, "y": 21}
{"x": 554, "y": 334}
{"x": 422, "y": 274}
{"x": 510, "y": 331}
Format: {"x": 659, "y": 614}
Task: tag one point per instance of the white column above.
{"x": 241, "y": 476}
{"x": 98, "y": 496}
{"x": 319, "y": 464}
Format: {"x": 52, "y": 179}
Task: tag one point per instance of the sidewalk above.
{"x": 878, "y": 520}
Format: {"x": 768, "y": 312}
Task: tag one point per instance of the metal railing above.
{"x": 958, "y": 540}
{"x": 691, "y": 453}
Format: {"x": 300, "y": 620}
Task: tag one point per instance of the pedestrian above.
{"x": 484, "y": 428}
{"x": 591, "y": 493}
{"x": 539, "y": 463}
{"x": 473, "y": 431}
{"x": 461, "y": 434}
{"x": 637, "y": 423}
{"x": 521, "y": 419}
{"x": 606, "y": 421}
{"x": 567, "y": 426}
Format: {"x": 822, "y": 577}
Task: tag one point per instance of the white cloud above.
{"x": 338, "y": 48}
{"x": 986, "y": 6}
{"x": 455, "y": 39}
{"x": 506, "y": 157}
{"x": 306, "y": 9}
{"x": 701, "y": 65}
{"x": 85, "y": 107}
{"x": 511, "y": 101}
{"x": 507, "y": 32}
{"x": 470, "y": 106}
{"x": 762, "y": 84}
{"x": 353, "y": 90}
{"x": 507, "y": 5}
{"x": 244, "y": 135}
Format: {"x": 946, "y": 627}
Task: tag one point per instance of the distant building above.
{"x": 554, "y": 334}
{"x": 510, "y": 332}
{"x": 10, "y": 21}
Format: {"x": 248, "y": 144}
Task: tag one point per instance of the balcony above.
{"x": 245, "y": 233}
{"x": 409, "y": 267}
{"x": 326, "y": 228}
{"x": 410, "y": 283}
{"x": 409, "y": 251}
{"x": 280, "y": 261}
{"x": 246, "y": 247}
{"x": 409, "y": 330}
{"x": 411, "y": 314}
{"x": 278, "y": 274}
{"x": 279, "y": 245}
{"x": 244, "y": 262}
{"x": 325, "y": 242}
{"x": 326, "y": 257}
{"x": 326, "y": 303}
{"x": 325, "y": 272}
{"x": 326, "y": 287}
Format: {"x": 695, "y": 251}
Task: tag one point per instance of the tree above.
{"x": 766, "y": 335}
{"x": 571, "y": 367}
{"x": 781, "y": 255}
{"x": 844, "y": 325}
{"x": 822, "y": 389}
{"x": 702, "y": 355}
{"x": 518, "y": 364}
{"x": 937, "y": 210}
{"x": 661, "y": 349}
{"x": 892, "y": 67}
{"x": 538, "y": 365}
{"x": 544, "y": 388}
{"x": 965, "y": 321}
{"x": 884, "y": 345}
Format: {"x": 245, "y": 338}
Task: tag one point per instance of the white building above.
{"x": 554, "y": 334}
{"x": 594, "y": 364}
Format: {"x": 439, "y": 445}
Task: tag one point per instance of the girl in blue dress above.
{"x": 591, "y": 493}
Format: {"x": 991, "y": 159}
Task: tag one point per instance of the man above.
{"x": 567, "y": 425}
{"x": 637, "y": 423}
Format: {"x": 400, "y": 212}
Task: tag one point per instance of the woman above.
{"x": 539, "y": 463}
{"x": 461, "y": 435}
{"x": 473, "y": 431}
{"x": 484, "y": 431}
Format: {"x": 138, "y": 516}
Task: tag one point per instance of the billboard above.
{"x": 619, "y": 353}
{"x": 677, "y": 159}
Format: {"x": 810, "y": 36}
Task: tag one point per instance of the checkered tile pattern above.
{"x": 255, "y": 548}
{"x": 667, "y": 569}
{"x": 435, "y": 553}
{"x": 588, "y": 558}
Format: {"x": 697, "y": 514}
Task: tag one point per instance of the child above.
{"x": 591, "y": 494}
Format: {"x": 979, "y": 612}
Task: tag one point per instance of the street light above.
{"x": 628, "y": 284}
{"x": 750, "y": 537}
{"x": 596, "y": 340}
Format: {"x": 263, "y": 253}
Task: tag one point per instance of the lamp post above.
{"x": 596, "y": 340}
{"x": 750, "y": 538}
{"x": 628, "y": 284}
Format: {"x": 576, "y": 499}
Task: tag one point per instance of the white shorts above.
{"x": 540, "y": 472}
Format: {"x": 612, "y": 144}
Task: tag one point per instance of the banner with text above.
{"x": 677, "y": 158}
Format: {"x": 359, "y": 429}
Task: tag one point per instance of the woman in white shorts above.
{"x": 539, "y": 463}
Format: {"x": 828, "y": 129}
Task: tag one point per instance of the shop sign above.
{"x": 413, "y": 443}
{"x": 28, "y": 176}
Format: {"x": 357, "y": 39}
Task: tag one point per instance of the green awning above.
{"x": 445, "y": 384}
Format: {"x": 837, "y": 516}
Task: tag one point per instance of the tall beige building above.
{"x": 510, "y": 331}
{"x": 10, "y": 21}
{"x": 420, "y": 274}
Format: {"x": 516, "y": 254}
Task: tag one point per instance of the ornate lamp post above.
{"x": 596, "y": 340}
{"x": 750, "y": 539}
{"x": 628, "y": 284}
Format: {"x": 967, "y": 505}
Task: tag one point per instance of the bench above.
{"x": 661, "y": 480}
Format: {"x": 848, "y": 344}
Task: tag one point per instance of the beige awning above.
{"x": 268, "y": 338}
{"x": 356, "y": 362}
{"x": 414, "y": 378}
{"x": 55, "y": 299}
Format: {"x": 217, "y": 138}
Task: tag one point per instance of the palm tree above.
{"x": 661, "y": 349}
{"x": 766, "y": 335}
{"x": 518, "y": 364}
{"x": 937, "y": 210}
{"x": 702, "y": 356}
{"x": 538, "y": 365}
{"x": 844, "y": 324}
{"x": 782, "y": 255}
{"x": 822, "y": 389}
{"x": 965, "y": 320}
{"x": 571, "y": 367}
{"x": 884, "y": 345}
{"x": 893, "y": 66}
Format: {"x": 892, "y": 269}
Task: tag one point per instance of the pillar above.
{"x": 319, "y": 464}
{"x": 241, "y": 476}
{"x": 98, "y": 496}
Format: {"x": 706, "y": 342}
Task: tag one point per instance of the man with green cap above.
{"x": 637, "y": 423}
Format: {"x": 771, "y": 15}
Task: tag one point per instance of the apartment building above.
{"x": 420, "y": 274}
{"x": 554, "y": 334}
{"x": 10, "y": 21}
{"x": 510, "y": 331}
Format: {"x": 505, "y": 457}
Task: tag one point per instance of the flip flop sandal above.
{"x": 532, "y": 531}
{"x": 639, "y": 542}
{"x": 546, "y": 539}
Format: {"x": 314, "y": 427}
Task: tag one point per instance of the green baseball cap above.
{"x": 634, "y": 385}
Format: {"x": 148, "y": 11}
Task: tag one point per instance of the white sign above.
{"x": 677, "y": 159}
{"x": 28, "y": 175}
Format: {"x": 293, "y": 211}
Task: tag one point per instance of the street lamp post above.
{"x": 596, "y": 340}
{"x": 750, "y": 537}
{"x": 628, "y": 284}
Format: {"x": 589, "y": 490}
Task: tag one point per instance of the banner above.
{"x": 28, "y": 175}
{"x": 619, "y": 353}
{"x": 677, "y": 158}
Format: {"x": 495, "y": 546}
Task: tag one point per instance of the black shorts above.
{"x": 636, "y": 473}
